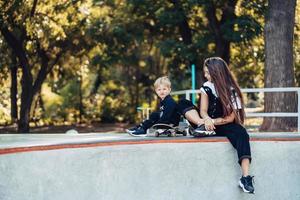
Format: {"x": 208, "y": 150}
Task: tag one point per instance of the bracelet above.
{"x": 212, "y": 120}
{"x": 206, "y": 118}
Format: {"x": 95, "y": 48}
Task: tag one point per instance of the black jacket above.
{"x": 169, "y": 113}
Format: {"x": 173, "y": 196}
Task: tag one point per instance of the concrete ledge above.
{"x": 16, "y": 143}
{"x": 157, "y": 169}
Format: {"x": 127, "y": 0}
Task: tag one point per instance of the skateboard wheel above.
{"x": 156, "y": 134}
{"x": 173, "y": 134}
{"x": 181, "y": 133}
{"x": 168, "y": 133}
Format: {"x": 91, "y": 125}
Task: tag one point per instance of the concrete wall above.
{"x": 187, "y": 171}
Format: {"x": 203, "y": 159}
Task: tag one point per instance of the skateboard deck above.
{"x": 168, "y": 130}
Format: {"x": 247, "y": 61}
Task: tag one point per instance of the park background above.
{"x": 89, "y": 64}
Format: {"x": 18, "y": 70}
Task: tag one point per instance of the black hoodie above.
{"x": 169, "y": 113}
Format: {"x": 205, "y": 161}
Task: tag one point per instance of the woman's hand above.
{"x": 209, "y": 124}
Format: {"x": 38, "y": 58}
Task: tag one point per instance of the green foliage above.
{"x": 245, "y": 28}
{"x": 4, "y": 97}
{"x": 111, "y": 51}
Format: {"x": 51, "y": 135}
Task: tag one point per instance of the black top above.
{"x": 215, "y": 108}
{"x": 169, "y": 113}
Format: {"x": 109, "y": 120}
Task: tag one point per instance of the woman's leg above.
{"x": 239, "y": 138}
{"x": 245, "y": 165}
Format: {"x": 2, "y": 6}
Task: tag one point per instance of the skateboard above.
{"x": 169, "y": 130}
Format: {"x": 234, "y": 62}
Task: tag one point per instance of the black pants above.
{"x": 236, "y": 133}
{"x": 153, "y": 118}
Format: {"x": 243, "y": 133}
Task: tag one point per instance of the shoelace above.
{"x": 250, "y": 179}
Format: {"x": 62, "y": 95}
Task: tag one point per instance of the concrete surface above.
{"x": 120, "y": 167}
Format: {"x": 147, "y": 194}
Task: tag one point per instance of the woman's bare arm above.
{"x": 209, "y": 122}
{"x": 224, "y": 120}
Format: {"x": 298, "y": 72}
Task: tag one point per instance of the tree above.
{"x": 39, "y": 34}
{"x": 218, "y": 27}
{"x": 279, "y": 62}
{"x": 9, "y": 63}
{"x": 126, "y": 45}
{"x": 166, "y": 37}
{"x": 14, "y": 89}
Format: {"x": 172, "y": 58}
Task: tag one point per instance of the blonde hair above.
{"x": 162, "y": 81}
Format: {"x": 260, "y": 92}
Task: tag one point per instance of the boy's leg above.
{"x": 141, "y": 129}
{"x": 193, "y": 117}
{"x": 148, "y": 123}
{"x": 191, "y": 113}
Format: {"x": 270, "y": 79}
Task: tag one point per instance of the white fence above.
{"x": 188, "y": 93}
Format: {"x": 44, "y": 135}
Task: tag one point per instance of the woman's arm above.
{"x": 224, "y": 120}
{"x": 209, "y": 122}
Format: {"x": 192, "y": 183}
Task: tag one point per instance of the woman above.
{"x": 222, "y": 111}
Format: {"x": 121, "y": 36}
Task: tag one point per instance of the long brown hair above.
{"x": 226, "y": 87}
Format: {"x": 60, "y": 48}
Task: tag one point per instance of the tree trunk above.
{"x": 97, "y": 83}
{"x": 279, "y": 63}
{"x": 137, "y": 87}
{"x": 187, "y": 38}
{"x": 184, "y": 28}
{"x": 223, "y": 49}
{"x": 29, "y": 87}
{"x": 36, "y": 101}
{"x": 27, "y": 90}
{"x": 80, "y": 98}
{"x": 215, "y": 25}
{"x": 14, "y": 90}
{"x": 26, "y": 101}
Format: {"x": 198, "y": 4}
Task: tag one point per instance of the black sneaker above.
{"x": 200, "y": 131}
{"x": 136, "y": 131}
{"x": 132, "y": 129}
{"x": 246, "y": 183}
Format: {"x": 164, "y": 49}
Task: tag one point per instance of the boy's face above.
{"x": 162, "y": 91}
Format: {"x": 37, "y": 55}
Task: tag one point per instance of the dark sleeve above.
{"x": 168, "y": 112}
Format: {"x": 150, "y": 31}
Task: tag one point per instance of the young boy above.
{"x": 167, "y": 114}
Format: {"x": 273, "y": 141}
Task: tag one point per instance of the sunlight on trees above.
{"x": 96, "y": 60}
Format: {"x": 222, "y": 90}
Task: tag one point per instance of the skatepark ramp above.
{"x": 120, "y": 167}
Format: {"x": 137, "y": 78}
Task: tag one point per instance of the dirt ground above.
{"x": 81, "y": 128}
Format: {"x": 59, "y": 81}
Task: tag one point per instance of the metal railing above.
{"x": 188, "y": 93}
{"x": 145, "y": 111}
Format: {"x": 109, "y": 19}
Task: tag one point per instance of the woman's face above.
{"x": 206, "y": 74}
